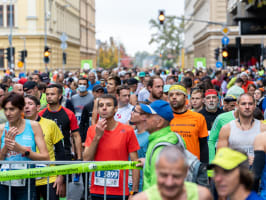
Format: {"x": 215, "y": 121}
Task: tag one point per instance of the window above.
{"x": 1, "y": 16}
{"x": 2, "y": 58}
{"x": 8, "y": 15}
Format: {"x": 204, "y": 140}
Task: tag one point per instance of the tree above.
{"x": 109, "y": 52}
{"x": 168, "y": 37}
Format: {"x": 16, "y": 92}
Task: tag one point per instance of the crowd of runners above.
{"x": 198, "y": 134}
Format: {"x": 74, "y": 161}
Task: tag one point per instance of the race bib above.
{"x": 39, "y": 166}
{"x": 112, "y": 178}
{"x": 15, "y": 183}
{"x": 130, "y": 179}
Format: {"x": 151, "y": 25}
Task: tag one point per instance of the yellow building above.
{"x": 29, "y": 27}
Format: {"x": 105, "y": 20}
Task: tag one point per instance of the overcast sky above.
{"x": 128, "y": 20}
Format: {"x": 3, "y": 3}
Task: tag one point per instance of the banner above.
{"x": 200, "y": 63}
{"x": 86, "y": 64}
{"x": 67, "y": 169}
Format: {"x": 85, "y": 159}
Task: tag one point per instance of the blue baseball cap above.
{"x": 159, "y": 107}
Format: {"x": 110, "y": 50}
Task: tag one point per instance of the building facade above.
{"x": 202, "y": 38}
{"x": 30, "y": 29}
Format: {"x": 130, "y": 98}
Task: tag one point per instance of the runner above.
{"x": 190, "y": 125}
{"x": 197, "y": 99}
{"x": 232, "y": 176}
{"x": 19, "y": 140}
{"x": 211, "y": 110}
{"x": 155, "y": 87}
{"x": 82, "y": 98}
{"x": 110, "y": 140}
{"x": 53, "y": 139}
{"x": 171, "y": 170}
{"x": 240, "y": 133}
{"x": 158, "y": 117}
{"x": 219, "y": 122}
{"x": 64, "y": 118}
{"x": 124, "y": 107}
{"x": 139, "y": 120}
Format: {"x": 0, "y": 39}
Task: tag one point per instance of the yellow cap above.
{"x": 179, "y": 88}
{"x": 228, "y": 159}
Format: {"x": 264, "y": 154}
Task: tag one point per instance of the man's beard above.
{"x": 178, "y": 105}
{"x": 155, "y": 96}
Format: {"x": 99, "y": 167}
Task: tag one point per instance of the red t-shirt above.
{"x": 113, "y": 146}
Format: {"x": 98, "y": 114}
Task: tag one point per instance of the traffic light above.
{"x": 225, "y": 53}
{"x": 8, "y": 53}
{"x": 47, "y": 52}
{"x": 217, "y": 53}
{"x": 64, "y": 58}
{"x": 23, "y": 55}
{"x": 161, "y": 17}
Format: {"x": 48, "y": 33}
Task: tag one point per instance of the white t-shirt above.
{"x": 123, "y": 114}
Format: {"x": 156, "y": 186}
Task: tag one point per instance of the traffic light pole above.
{"x": 45, "y": 31}
{"x": 24, "y": 38}
{"x": 10, "y": 36}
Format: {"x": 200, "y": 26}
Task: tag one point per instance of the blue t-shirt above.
{"x": 143, "y": 140}
{"x": 91, "y": 85}
{"x": 253, "y": 196}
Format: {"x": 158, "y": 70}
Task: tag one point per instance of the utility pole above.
{"x": 24, "y": 38}
{"x": 10, "y": 36}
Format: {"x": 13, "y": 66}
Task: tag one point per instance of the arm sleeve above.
{"x": 204, "y": 151}
{"x": 213, "y": 138}
{"x": 85, "y": 120}
{"x": 258, "y": 165}
{"x": 203, "y": 130}
{"x": 59, "y": 151}
{"x": 70, "y": 106}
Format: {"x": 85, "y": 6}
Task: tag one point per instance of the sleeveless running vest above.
{"x": 191, "y": 190}
{"x": 243, "y": 140}
{"x": 26, "y": 138}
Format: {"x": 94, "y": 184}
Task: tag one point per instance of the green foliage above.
{"x": 168, "y": 37}
{"x": 108, "y": 54}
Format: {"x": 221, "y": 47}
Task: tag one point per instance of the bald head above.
{"x": 18, "y": 88}
{"x": 171, "y": 154}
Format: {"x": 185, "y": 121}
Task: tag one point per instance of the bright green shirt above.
{"x": 219, "y": 122}
{"x": 163, "y": 135}
{"x": 191, "y": 190}
{"x": 231, "y": 82}
{"x": 43, "y": 101}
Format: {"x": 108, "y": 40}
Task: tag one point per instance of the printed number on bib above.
{"x": 112, "y": 178}
{"x": 15, "y": 183}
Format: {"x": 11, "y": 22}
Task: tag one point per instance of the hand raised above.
{"x": 100, "y": 127}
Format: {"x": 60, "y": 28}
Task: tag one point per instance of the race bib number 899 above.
{"x": 112, "y": 178}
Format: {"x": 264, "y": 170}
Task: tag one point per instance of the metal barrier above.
{"x": 64, "y": 168}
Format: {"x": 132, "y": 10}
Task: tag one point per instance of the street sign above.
{"x": 86, "y": 64}
{"x": 225, "y": 40}
{"x": 200, "y": 63}
{"x": 225, "y": 30}
{"x": 219, "y": 64}
{"x": 63, "y": 45}
{"x": 63, "y": 37}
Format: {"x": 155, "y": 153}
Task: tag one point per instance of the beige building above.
{"x": 62, "y": 16}
{"x": 201, "y": 39}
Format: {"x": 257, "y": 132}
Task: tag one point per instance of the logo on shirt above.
{"x": 118, "y": 116}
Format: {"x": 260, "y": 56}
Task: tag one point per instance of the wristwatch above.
{"x": 27, "y": 153}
